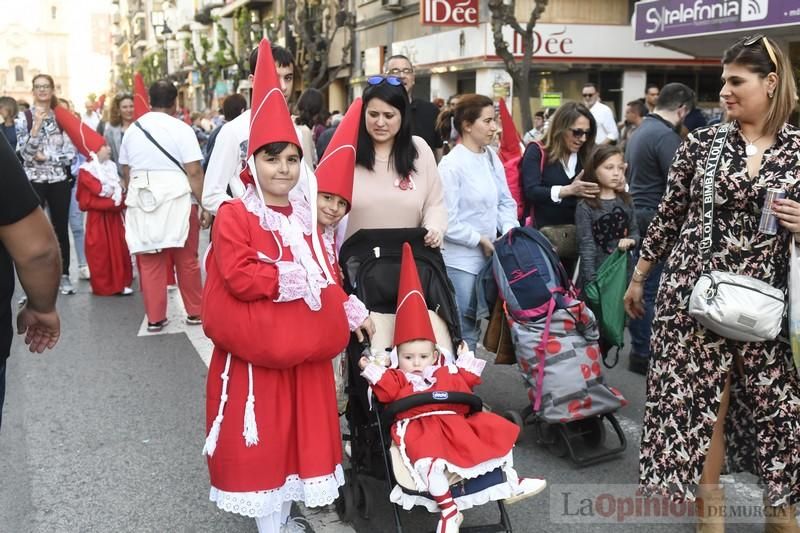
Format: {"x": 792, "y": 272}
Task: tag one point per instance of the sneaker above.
{"x": 295, "y": 524}
{"x": 638, "y": 363}
{"x": 194, "y": 320}
{"x": 83, "y": 272}
{"x": 66, "y": 285}
{"x": 126, "y": 291}
{"x": 155, "y": 327}
{"x": 528, "y": 487}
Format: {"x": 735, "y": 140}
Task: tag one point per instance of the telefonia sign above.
{"x": 661, "y": 19}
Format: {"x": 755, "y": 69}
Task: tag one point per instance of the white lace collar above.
{"x": 292, "y": 230}
{"x": 108, "y": 176}
{"x": 422, "y": 382}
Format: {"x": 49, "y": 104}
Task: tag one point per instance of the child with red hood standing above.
{"x": 277, "y": 318}
{"x": 99, "y": 193}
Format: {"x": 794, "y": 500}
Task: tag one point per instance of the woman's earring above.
{"x": 770, "y": 94}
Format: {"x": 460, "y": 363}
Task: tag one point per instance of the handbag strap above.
{"x": 155, "y": 142}
{"x": 712, "y": 163}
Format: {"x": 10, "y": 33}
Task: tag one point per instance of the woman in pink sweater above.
{"x": 396, "y": 182}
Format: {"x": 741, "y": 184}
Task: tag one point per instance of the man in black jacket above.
{"x": 423, "y": 112}
{"x": 649, "y": 155}
{"x": 27, "y": 243}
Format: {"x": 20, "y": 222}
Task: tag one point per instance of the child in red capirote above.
{"x": 440, "y": 439}
{"x": 277, "y": 318}
{"x": 99, "y": 193}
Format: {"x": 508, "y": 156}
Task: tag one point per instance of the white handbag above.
{"x": 734, "y": 306}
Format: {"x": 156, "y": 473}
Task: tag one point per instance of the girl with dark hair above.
{"x": 552, "y": 176}
{"x": 713, "y": 401}
{"x": 120, "y": 118}
{"x": 396, "y": 183}
{"x": 479, "y": 204}
{"x": 46, "y": 155}
{"x": 606, "y": 222}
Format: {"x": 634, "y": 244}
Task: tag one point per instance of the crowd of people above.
{"x": 285, "y": 183}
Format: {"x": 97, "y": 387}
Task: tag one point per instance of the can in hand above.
{"x": 768, "y": 224}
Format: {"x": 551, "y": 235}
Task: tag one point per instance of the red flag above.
{"x": 141, "y": 100}
{"x": 100, "y": 102}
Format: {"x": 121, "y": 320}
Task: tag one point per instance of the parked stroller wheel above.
{"x": 515, "y": 418}
{"x": 345, "y": 505}
{"x": 593, "y": 431}
{"x": 551, "y": 437}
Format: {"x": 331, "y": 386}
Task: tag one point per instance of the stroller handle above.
{"x": 391, "y": 410}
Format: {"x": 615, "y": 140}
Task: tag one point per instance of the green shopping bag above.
{"x": 604, "y": 295}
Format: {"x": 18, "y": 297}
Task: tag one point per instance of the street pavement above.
{"x": 104, "y": 433}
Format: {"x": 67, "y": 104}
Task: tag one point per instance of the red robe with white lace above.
{"x": 104, "y": 242}
{"x": 299, "y": 452}
{"x": 469, "y": 445}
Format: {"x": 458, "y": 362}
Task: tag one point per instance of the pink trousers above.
{"x": 154, "y": 270}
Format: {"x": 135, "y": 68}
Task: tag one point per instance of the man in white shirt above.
{"x": 607, "y": 131}
{"x": 230, "y": 148}
{"x": 91, "y": 117}
{"x": 161, "y": 168}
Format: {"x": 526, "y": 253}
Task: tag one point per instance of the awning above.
{"x": 706, "y": 28}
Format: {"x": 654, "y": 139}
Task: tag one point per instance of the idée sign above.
{"x": 449, "y": 12}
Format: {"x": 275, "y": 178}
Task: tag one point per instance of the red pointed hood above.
{"x": 141, "y": 99}
{"x": 270, "y": 120}
{"x": 84, "y": 138}
{"x": 337, "y": 166}
{"x": 510, "y": 139}
{"x": 412, "y": 321}
{"x": 100, "y": 103}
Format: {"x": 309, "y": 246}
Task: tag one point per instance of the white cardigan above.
{"x": 159, "y": 204}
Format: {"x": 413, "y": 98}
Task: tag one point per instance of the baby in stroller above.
{"x": 437, "y": 441}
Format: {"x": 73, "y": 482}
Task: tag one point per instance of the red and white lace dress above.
{"x": 276, "y": 323}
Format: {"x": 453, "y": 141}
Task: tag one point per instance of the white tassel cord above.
{"x": 250, "y": 429}
{"x": 213, "y": 434}
{"x": 315, "y": 244}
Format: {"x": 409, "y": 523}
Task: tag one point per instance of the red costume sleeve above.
{"x": 247, "y": 277}
{"x": 389, "y": 387}
{"x": 471, "y": 380}
{"x": 88, "y": 194}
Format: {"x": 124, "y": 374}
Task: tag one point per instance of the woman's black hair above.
{"x": 404, "y": 153}
{"x": 276, "y": 148}
{"x": 308, "y": 107}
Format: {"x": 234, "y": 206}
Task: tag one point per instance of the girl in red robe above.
{"x": 440, "y": 439}
{"x": 276, "y": 318}
{"x": 100, "y": 194}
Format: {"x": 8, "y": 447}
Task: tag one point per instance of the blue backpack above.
{"x": 529, "y": 276}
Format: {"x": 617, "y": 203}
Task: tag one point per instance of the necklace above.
{"x": 750, "y": 148}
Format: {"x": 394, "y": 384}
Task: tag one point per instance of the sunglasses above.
{"x": 760, "y": 38}
{"x": 577, "y": 132}
{"x": 391, "y": 80}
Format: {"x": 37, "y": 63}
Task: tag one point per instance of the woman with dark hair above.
{"x": 308, "y": 108}
{"x": 479, "y": 204}
{"x": 120, "y": 117}
{"x": 712, "y": 400}
{"x": 46, "y": 156}
{"x": 396, "y": 183}
{"x": 551, "y": 176}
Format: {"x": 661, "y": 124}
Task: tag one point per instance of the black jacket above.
{"x": 536, "y": 185}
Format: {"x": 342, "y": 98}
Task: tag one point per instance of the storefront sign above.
{"x": 449, "y": 12}
{"x": 550, "y": 99}
{"x": 662, "y": 19}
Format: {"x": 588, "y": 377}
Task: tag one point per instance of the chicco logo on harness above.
{"x": 440, "y": 395}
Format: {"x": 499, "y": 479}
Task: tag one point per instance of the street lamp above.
{"x": 162, "y": 33}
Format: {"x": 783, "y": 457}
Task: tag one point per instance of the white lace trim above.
{"x": 373, "y": 372}
{"x": 470, "y": 363}
{"x": 423, "y": 466}
{"x": 501, "y": 491}
{"x": 292, "y": 283}
{"x": 328, "y": 241}
{"x": 108, "y": 176}
{"x": 313, "y": 492}
{"x": 292, "y": 231}
{"x": 356, "y": 312}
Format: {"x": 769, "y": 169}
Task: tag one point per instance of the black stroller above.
{"x": 370, "y": 262}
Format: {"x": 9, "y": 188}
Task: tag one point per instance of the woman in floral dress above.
{"x": 711, "y": 400}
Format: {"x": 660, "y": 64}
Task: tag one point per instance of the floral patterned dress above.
{"x": 690, "y": 363}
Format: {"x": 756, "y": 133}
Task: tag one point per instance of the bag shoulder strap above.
{"x": 152, "y": 140}
{"x": 29, "y": 119}
{"x": 709, "y": 177}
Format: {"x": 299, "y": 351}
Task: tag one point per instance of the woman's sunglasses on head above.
{"x": 750, "y": 40}
{"x": 391, "y": 80}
